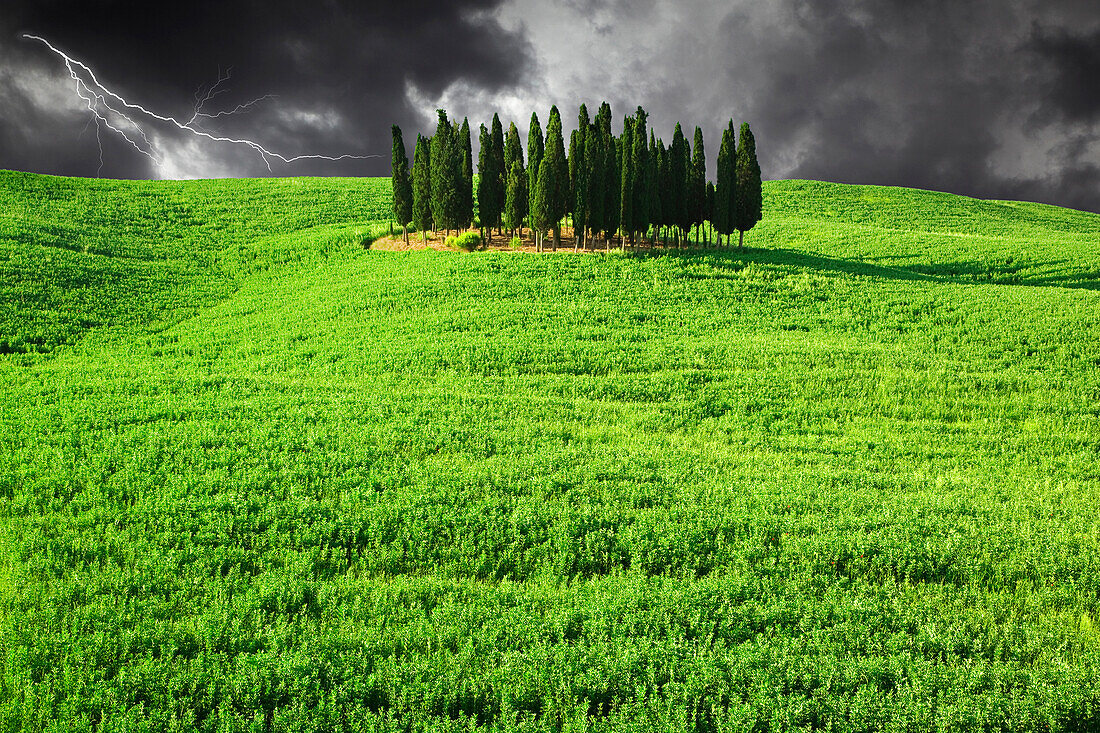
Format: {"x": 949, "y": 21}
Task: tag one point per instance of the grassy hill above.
{"x": 255, "y": 477}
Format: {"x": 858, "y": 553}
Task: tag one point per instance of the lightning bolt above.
{"x": 113, "y": 112}
{"x": 202, "y": 98}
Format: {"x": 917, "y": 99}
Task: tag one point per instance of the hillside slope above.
{"x": 846, "y": 478}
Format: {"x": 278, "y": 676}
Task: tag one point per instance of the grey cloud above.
{"x": 985, "y": 98}
{"x": 343, "y": 63}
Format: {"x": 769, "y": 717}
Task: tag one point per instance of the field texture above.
{"x": 255, "y": 477}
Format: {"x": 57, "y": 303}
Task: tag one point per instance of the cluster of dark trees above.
{"x": 629, "y": 185}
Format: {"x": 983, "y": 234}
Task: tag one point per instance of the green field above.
{"x": 256, "y": 477}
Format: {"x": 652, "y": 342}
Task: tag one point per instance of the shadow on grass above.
{"x": 1002, "y": 272}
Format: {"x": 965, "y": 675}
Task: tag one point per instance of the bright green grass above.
{"x": 844, "y": 480}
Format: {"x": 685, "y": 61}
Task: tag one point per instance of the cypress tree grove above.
{"x": 488, "y": 184}
{"x": 535, "y": 148}
{"x": 422, "y": 186}
{"x": 679, "y": 164}
{"x": 466, "y": 191}
{"x": 626, "y": 179}
{"x": 513, "y": 153}
{"x": 750, "y": 194}
{"x": 725, "y": 188}
{"x": 515, "y": 202}
{"x": 402, "y": 187}
{"x": 446, "y": 175}
{"x": 697, "y": 184}
{"x": 639, "y": 221}
{"x": 559, "y": 173}
{"x": 499, "y": 169}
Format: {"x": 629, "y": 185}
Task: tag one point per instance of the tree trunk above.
{"x": 405, "y": 234}
{"x": 556, "y": 232}
{"x": 741, "y": 242}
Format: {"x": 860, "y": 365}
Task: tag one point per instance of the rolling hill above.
{"x": 254, "y": 476}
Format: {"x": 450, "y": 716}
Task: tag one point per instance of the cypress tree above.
{"x": 446, "y": 175}
{"x": 402, "y": 187}
{"x": 606, "y": 188}
{"x": 593, "y": 181}
{"x": 542, "y": 213}
{"x": 574, "y": 158}
{"x": 559, "y": 173}
{"x": 626, "y": 179}
{"x": 488, "y": 184}
{"x": 422, "y": 186}
{"x": 750, "y": 194}
{"x": 653, "y": 185}
{"x": 709, "y": 206}
{"x": 725, "y": 188}
{"x": 580, "y": 176}
{"x": 499, "y": 169}
{"x": 535, "y": 149}
{"x": 679, "y": 164}
{"x": 612, "y": 212}
{"x": 697, "y": 184}
{"x": 515, "y": 202}
{"x": 639, "y": 222}
{"x": 513, "y": 150}
{"x": 466, "y": 192}
{"x": 513, "y": 153}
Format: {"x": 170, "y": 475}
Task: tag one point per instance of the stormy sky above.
{"x": 988, "y": 98}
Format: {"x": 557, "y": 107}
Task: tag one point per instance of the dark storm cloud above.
{"x": 1074, "y": 63}
{"x": 991, "y": 98}
{"x": 339, "y": 68}
{"x": 938, "y": 94}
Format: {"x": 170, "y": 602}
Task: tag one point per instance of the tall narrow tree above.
{"x": 697, "y": 184}
{"x": 639, "y": 222}
{"x": 573, "y": 157}
{"x": 653, "y": 186}
{"x": 725, "y": 187}
{"x": 488, "y": 184}
{"x": 679, "y": 163}
{"x": 710, "y": 209}
{"x": 626, "y": 180}
{"x": 535, "y": 150}
{"x": 559, "y": 173}
{"x": 422, "y": 187}
{"x": 402, "y": 187}
{"x": 499, "y": 169}
{"x": 446, "y": 176}
{"x": 612, "y": 211}
{"x": 515, "y": 204}
{"x": 595, "y": 158}
{"x": 466, "y": 192}
{"x": 542, "y": 214}
{"x": 513, "y": 153}
{"x": 750, "y": 194}
{"x": 607, "y": 187}
{"x": 580, "y": 176}
{"x": 663, "y": 189}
